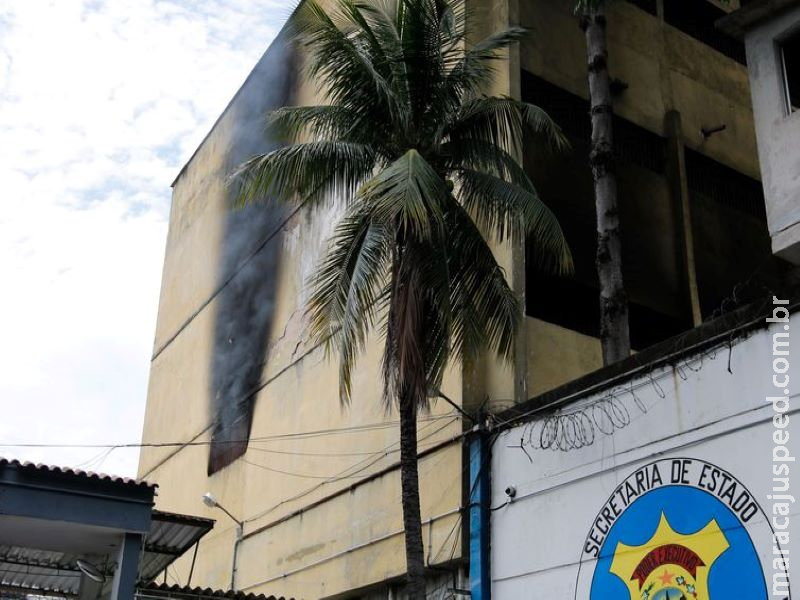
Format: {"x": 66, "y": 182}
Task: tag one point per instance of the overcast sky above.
{"x": 101, "y": 103}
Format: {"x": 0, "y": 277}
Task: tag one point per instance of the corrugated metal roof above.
{"x": 29, "y": 466}
{"x": 170, "y": 536}
{"x": 40, "y": 570}
{"x": 48, "y": 571}
{"x": 161, "y": 591}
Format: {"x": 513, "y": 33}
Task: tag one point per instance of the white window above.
{"x": 790, "y": 57}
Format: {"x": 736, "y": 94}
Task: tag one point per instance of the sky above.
{"x": 101, "y": 103}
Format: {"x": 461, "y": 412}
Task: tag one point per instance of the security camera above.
{"x": 511, "y": 492}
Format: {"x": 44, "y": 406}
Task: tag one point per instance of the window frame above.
{"x": 790, "y": 36}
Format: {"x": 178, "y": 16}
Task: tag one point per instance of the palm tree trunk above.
{"x": 405, "y": 367}
{"x": 614, "y": 331}
{"x": 409, "y": 481}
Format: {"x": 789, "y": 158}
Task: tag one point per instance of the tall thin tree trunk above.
{"x": 614, "y": 330}
{"x": 405, "y": 367}
{"x": 409, "y": 481}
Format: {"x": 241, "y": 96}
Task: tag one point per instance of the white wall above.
{"x": 540, "y": 545}
{"x": 777, "y": 132}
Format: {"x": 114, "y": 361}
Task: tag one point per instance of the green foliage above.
{"x": 425, "y": 167}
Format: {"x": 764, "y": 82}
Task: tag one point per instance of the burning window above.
{"x": 790, "y": 57}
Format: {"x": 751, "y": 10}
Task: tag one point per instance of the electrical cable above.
{"x": 270, "y": 438}
{"x": 360, "y": 467}
{"x": 382, "y": 454}
{"x": 218, "y": 290}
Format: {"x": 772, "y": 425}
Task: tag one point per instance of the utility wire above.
{"x": 382, "y": 454}
{"x": 226, "y": 282}
{"x": 349, "y": 472}
{"x": 270, "y": 438}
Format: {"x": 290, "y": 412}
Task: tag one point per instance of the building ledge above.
{"x": 713, "y": 333}
{"x": 740, "y": 21}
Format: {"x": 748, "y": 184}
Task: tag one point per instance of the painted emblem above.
{"x": 677, "y": 529}
{"x": 670, "y": 564}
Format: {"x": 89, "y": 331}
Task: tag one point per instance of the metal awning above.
{"x": 170, "y": 536}
{"x": 47, "y": 572}
{"x": 163, "y": 591}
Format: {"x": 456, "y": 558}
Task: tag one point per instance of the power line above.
{"x": 270, "y": 438}
{"x": 381, "y": 453}
{"x": 349, "y": 472}
{"x": 229, "y": 279}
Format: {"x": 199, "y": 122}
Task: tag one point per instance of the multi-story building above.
{"x": 771, "y": 33}
{"x": 253, "y": 404}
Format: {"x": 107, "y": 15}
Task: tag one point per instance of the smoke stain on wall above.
{"x": 250, "y": 259}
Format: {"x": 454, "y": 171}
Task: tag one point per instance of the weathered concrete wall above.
{"x": 319, "y": 520}
{"x": 312, "y": 527}
{"x": 666, "y": 70}
{"x": 557, "y": 355}
{"x": 572, "y": 506}
{"x": 778, "y": 133}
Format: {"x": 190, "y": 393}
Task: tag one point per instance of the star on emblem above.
{"x": 666, "y": 577}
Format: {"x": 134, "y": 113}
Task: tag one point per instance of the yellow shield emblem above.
{"x": 670, "y": 566}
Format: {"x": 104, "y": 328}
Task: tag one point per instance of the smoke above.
{"x": 249, "y": 265}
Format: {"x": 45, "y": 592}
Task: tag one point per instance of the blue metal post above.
{"x": 123, "y": 586}
{"x": 479, "y": 485}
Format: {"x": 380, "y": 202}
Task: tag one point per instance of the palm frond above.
{"x": 343, "y": 66}
{"x": 503, "y": 121}
{"x": 504, "y": 209}
{"x": 409, "y": 193}
{"x": 474, "y": 70}
{"x": 485, "y": 156}
{"x": 486, "y": 312}
{"x": 346, "y": 289}
{"x": 326, "y": 121}
{"x": 314, "y": 171}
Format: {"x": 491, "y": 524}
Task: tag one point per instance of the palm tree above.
{"x": 614, "y": 328}
{"x": 424, "y": 166}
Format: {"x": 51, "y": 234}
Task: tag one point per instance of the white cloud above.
{"x": 101, "y": 102}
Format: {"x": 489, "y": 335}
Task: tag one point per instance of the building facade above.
{"x": 249, "y": 405}
{"x": 771, "y": 33}
{"x": 670, "y": 478}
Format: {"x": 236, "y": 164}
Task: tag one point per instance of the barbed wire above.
{"x": 573, "y": 428}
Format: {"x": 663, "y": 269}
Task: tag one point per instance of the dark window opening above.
{"x": 646, "y": 5}
{"x": 696, "y": 18}
{"x": 790, "y": 56}
{"x": 723, "y": 185}
{"x": 564, "y": 183}
{"x": 631, "y": 143}
{"x": 733, "y": 254}
{"x": 575, "y": 305}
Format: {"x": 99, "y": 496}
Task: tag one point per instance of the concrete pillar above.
{"x": 127, "y": 571}
{"x": 679, "y": 190}
{"x": 489, "y": 377}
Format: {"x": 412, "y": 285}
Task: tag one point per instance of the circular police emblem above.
{"x": 679, "y": 529}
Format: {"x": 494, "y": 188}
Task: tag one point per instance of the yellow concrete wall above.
{"x": 331, "y": 536}
{"x": 490, "y": 378}
{"x": 305, "y": 510}
{"x": 665, "y": 68}
{"x": 557, "y": 355}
